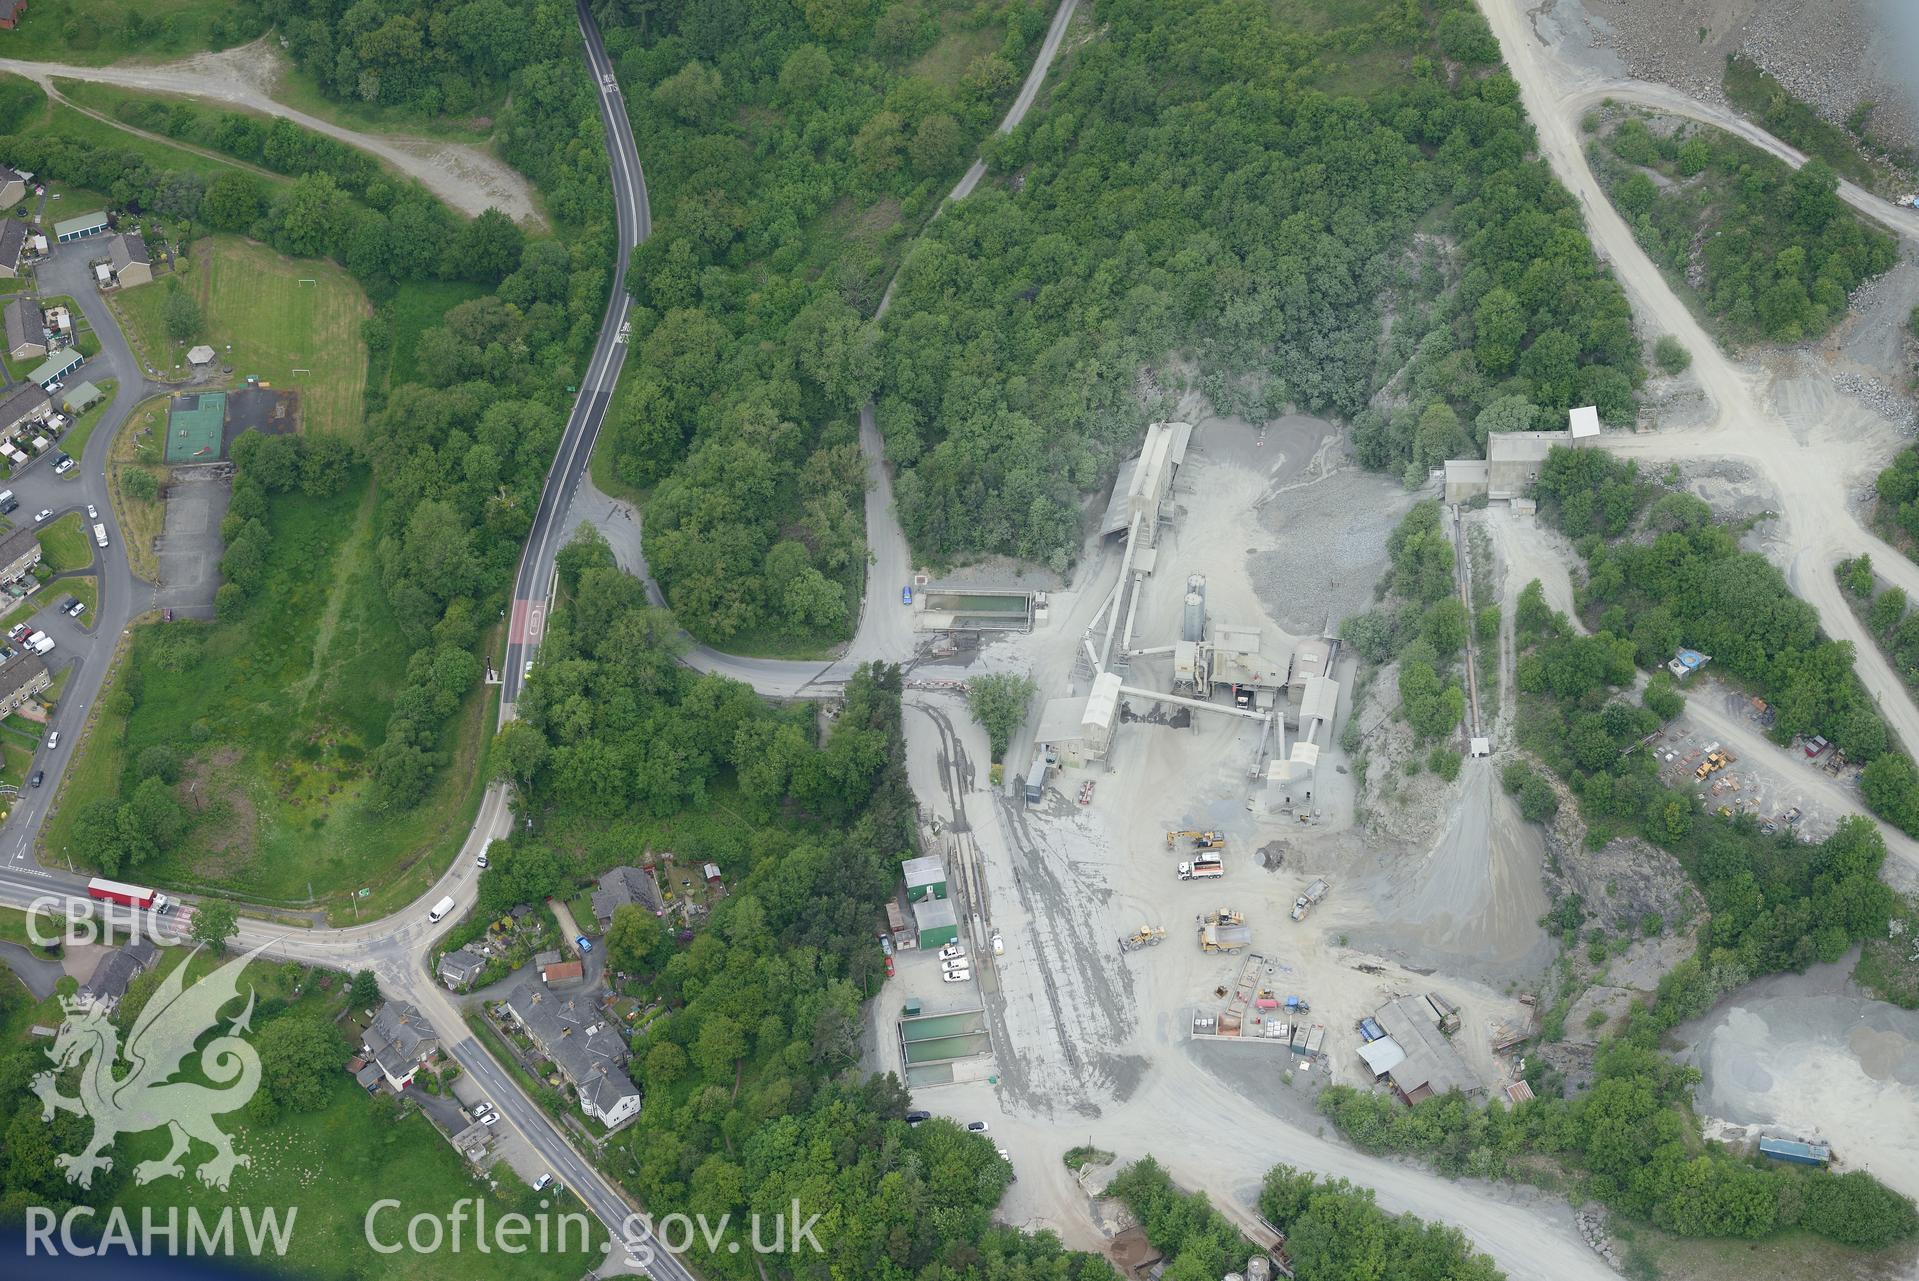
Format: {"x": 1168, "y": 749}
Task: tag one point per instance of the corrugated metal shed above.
{"x": 1382, "y": 1055}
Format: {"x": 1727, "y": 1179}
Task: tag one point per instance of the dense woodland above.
{"x": 447, "y": 57}
{"x": 753, "y": 1097}
{"x": 791, "y": 151}
{"x": 1768, "y": 252}
{"x": 1210, "y": 178}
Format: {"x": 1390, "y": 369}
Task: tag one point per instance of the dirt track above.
{"x": 466, "y": 177}
{"x": 1814, "y": 459}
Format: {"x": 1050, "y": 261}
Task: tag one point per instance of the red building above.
{"x": 10, "y": 11}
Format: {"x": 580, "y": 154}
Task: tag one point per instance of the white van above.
{"x": 441, "y": 908}
{"x": 100, "y": 535}
{"x": 53, "y": 740}
{"x": 6, "y": 495}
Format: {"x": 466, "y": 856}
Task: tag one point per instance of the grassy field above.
{"x": 416, "y": 308}
{"x": 100, "y": 34}
{"x": 65, "y": 543}
{"x": 266, "y": 315}
{"x": 277, "y": 711}
{"x": 78, "y": 435}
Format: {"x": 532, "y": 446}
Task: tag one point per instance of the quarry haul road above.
{"x": 1812, "y": 473}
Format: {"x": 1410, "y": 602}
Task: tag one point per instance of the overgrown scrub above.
{"x": 1777, "y": 251}
{"x": 1174, "y": 198}
{"x": 1421, "y": 623}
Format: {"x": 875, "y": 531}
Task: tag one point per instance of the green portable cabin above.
{"x": 937, "y": 922}
{"x": 925, "y": 877}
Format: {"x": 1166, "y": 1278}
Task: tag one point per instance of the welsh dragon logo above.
{"x": 144, "y": 1098}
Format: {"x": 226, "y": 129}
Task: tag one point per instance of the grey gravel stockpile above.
{"x": 1332, "y": 548}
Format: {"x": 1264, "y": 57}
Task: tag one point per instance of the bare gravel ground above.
{"x": 468, "y": 178}
{"x": 1805, "y": 1055}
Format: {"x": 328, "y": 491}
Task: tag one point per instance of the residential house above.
{"x": 13, "y": 243}
{"x": 458, "y": 969}
{"x": 21, "y": 677}
{"x": 13, "y": 183}
{"x": 19, "y": 553}
{"x": 589, "y": 1049}
{"x": 26, "y": 331}
{"x": 87, "y": 224}
{"x": 399, "y": 1039}
{"x": 11, "y": 11}
{"x": 117, "y": 970}
{"x": 127, "y": 256}
{"x": 57, "y": 366}
{"x": 21, "y": 404}
{"x": 625, "y": 885}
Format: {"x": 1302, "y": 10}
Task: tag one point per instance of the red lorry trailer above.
{"x": 128, "y": 895}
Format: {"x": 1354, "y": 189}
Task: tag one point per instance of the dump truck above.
{"x": 1144, "y": 936}
{"x": 1201, "y": 840}
{"x": 1224, "y": 938}
{"x": 1304, "y": 903}
{"x": 1204, "y": 867}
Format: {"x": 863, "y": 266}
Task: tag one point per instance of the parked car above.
{"x": 957, "y": 963}
{"x": 951, "y": 976}
{"x": 481, "y": 861}
{"x": 585, "y": 944}
{"x": 62, "y": 467}
{"x": 53, "y": 740}
{"x": 914, "y": 1118}
{"x": 93, "y": 513}
{"x": 490, "y": 1118}
{"x": 20, "y": 631}
{"x": 952, "y": 951}
{"x": 9, "y": 507}
{"x": 42, "y": 515}
{"x": 539, "y": 1184}
{"x": 977, "y": 1127}
{"x": 66, "y": 606}
{"x": 79, "y": 608}
{"x": 906, "y": 595}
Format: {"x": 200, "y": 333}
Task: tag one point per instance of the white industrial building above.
{"x": 1079, "y": 730}
{"x": 1144, "y": 482}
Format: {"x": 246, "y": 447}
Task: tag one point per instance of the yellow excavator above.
{"x": 1201, "y": 840}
